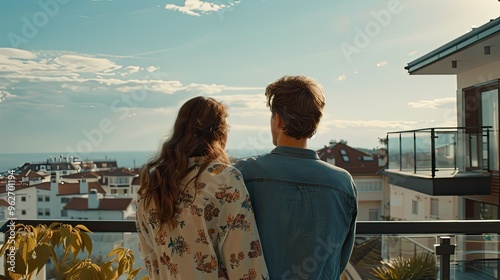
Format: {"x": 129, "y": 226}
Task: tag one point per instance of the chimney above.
{"x": 84, "y": 186}
{"x": 382, "y": 158}
{"x": 93, "y": 200}
{"x": 54, "y": 187}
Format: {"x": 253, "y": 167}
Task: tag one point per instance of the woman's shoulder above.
{"x": 218, "y": 169}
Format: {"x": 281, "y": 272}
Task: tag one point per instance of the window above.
{"x": 64, "y": 213}
{"x": 23, "y": 198}
{"x": 434, "y": 207}
{"x": 366, "y": 158}
{"x": 113, "y": 191}
{"x": 23, "y": 212}
{"x": 47, "y": 198}
{"x": 125, "y": 191}
{"x": 344, "y": 155}
{"x": 373, "y": 214}
{"x": 481, "y": 109}
{"x": 40, "y": 198}
{"x": 414, "y": 207}
{"x": 40, "y": 212}
{"x": 47, "y": 212}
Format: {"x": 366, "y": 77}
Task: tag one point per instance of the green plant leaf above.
{"x": 133, "y": 273}
{"x": 82, "y": 227}
{"x": 87, "y": 242}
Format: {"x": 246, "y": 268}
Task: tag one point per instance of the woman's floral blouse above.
{"x": 215, "y": 236}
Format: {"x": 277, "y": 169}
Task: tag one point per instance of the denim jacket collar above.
{"x": 295, "y": 152}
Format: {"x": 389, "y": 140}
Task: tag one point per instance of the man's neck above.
{"x": 285, "y": 140}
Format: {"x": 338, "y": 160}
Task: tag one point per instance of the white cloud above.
{"x": 4, "y": 95}
{"x": 78, "y": 64}
{"x": 197, "y": 7}
{"x": 244, "y": 102}
{"x": 17, "y": 53}
{"x": 55, "y": 71}
{"x": 151, "y": 69}
{"x": 367, "y": 124}
{"x": 246, "y": 127}
{"x": 382, "y": 63}
{"x": 432, "y": 104}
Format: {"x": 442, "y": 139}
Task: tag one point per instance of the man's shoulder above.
{"x": 249, "y": 162}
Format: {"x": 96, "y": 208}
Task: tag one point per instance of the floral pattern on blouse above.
{"x": 214, "y": 234}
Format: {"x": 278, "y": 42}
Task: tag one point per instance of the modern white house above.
{"x": 459, "y": 166}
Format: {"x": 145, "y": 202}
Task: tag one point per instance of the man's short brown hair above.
{"x": 299, "y": 101}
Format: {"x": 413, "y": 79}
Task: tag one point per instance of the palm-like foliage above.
{"x": 29, "y": 248}
{"x": 421, "y": 266}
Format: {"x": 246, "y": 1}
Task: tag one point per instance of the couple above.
{"x": 287, "y": 215}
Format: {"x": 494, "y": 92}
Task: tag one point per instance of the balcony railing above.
{"x": 476, "y": 253}
{"x": 437, "y": 151}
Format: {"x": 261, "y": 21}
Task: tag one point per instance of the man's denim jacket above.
{"x": 305, "y": 211}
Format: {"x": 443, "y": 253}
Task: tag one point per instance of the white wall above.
{"x": 401, "y": 205}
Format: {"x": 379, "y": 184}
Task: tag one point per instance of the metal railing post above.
{"x": 488, "y": 148}
{"x": 444, "y": 249}
{"x": 414, "y": 152}
{"x": 400, "y": 154}
{"x": 433, "y": 153}
{"x": 455, "y": 148}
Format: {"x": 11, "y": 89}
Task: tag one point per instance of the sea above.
{"x": 130, "y": 159}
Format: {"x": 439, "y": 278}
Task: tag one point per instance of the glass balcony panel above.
{"x": 476, "y": 256}
{"x": 445, "y": 149}
{"x": 407, "y": 152}
{"x": 393, "y": 151}
{"x": 423, "y": 153}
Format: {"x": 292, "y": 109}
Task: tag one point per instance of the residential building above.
{"x": 367, "y": 172}
{"x": 94, "y": 207}
{"x": 120, "y": 182}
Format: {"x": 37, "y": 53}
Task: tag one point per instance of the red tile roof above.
{"x": 136, "y": 181}
{"x": 17, "y": 185}
{"x": 71, "y": 188}
{"x": 109, "y": 204}
{"x": 4, "y": 203}
{"x": 80, "y": 175}
{"x": 358, "y": 163}
{"x": 108, "y": 163}
{"x": 30, "y": 174}
{"x": 123, "y": 172}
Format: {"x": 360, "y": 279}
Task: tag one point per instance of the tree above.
{"x": 31, "y": 247}
{"x": 418, "y": 267}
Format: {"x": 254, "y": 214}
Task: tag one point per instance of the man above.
{"x": 305, "y": 209}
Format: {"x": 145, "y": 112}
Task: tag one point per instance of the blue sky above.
{"x": 82, "y": 76}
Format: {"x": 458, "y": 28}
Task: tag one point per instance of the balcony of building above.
{"x": 442, "y": 160}
{"x": 475, "y": 245}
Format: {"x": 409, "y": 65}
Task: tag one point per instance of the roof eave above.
{"x": 454, "y": 46}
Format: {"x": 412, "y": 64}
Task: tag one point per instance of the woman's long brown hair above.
{"x": 199, "y": 130}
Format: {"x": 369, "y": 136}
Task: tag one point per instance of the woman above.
{"x": 194, "y": 216}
